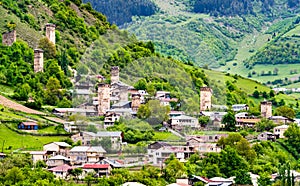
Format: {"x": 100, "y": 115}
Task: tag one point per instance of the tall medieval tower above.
{"x": 103, "y": 98}
{"x": 114, "y": 74}
{"x": 205, "y": 98}
{"x": 50, "y": 32}
{"x": 135, "y": 102}
{"x": 38, "y": 63}
{"x": 266, "y": 109}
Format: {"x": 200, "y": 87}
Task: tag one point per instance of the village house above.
{"x": 123, "y": 112}
{"x": 57, "y": 148}
{"x": 87, "y": 137}
{"x": 182, "y": 121}
{"x": 160, "y": 155}
{"x": 219, "y": 107}
{"x": 57, "y": 160}
{"x": 280, "y": 120}
{"x": 28, "y": 125}
{"x": 159, "y": 151}
{"x": 113, "y": 163}
{"x": 202, "y": 147}
{"x": 71, "y": 127}
{"x": 239, "y": 107}
{"x": 215, "y": 119}
{"x": 110, "y": 119}
{"x": 86, "y": 154}
{"x": 38, "y": 156}
{"x": 279, "y": 130}
{"x": 213, "y": 138}
{"x": 99, "y": 169}
{"x": 61, "y": 171}
{"x": 83, "y": 93}
{"x": 174, "y": 113}
{"x": 157, "y": 145}
{"x": 243, "y": 119}
{"x": 267, "y": 136}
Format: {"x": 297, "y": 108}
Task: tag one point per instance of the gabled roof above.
{"x": 121, "y": 104}
{"x": 59, "y": 157}
{"x": 61, "y": 168}
{"x": 278, "y": 117}
{"x": 282, "y": 127}
{"x": 183, "y": 117}
{"x": 88, "y": 149}
{"x": 164, "y": 144}
{"x": 251, "y": 120}
{"x": 96, "y": 166}
{"x": 62, "y": 144}
{"x": 109, "y": 134}
{"x": 113, "y": 163}
{"x": 38, "y": 152}
{"x": 29, "y": 123}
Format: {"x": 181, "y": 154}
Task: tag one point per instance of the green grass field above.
{"x": 6, "y": 90}
{"x": 247, "y": 85}
{"x": 165, "y": 136}
{"x": 25, "y": 142}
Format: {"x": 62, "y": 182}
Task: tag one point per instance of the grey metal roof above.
{"x": 109, "y": 134}
{"x": 87, "y": 149}
{"x": 121, "y": 104}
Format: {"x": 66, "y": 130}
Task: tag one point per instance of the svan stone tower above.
{"x": 38, "y": 64}
{"x": 135, "y": 102}
{"x": 266, "y": 109}
{"x": 9, "y": 38}
{"x": 103, "y": 98}
{"x": 205, "y": 98}
{"x": 50, "y": 32}
{"x": 114, "y": 74}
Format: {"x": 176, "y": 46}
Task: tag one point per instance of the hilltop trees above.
{"x": 285, "y": 111}
{"x": 229, "y": 121}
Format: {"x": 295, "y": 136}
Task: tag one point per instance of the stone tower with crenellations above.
{"x": 50, "y": 32}
{"x": 114, "y": 74}
{"x": 9, "y": 38}
{"x": 266, "y": 109}
{"x": 103, "y": 98}
{"x": 205, "y": 98}
{"x": 135, "y": 102}
{"x": 38, "y": 63}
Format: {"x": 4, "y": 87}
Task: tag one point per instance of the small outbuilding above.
{"x": 28, "y": 125}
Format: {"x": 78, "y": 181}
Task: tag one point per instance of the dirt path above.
{"x": 16, "y": 106}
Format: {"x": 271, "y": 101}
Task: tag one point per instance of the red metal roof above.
{"x": 96, "y": 166}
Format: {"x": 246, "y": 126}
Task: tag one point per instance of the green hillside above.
{"x": 239, "y": 37}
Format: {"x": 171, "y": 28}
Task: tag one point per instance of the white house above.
{"x": 179, "y": 122}
{"x": 57, "y": 148}
{"x": 86, "y": 154}
{"x": 279, "y": 130}
{"x": 38, "y": 156}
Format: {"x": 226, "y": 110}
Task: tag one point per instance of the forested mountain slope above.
{"x": 214, "y": 33}
{"x": 119, "y": 11}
